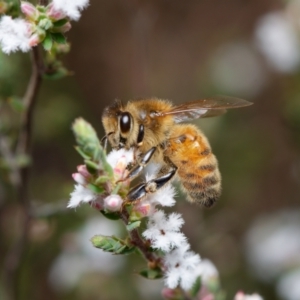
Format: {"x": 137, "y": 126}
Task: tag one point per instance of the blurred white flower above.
{"x": 236, "y": 69}
{"x": 71, "y": 8}
{"x": 164, "y": 232}
{"x": 207, "y": 270}
{"x": 14, "y": 35}
{"x": 181, "y": 267}
{"x": 278, "y": 40}
{"x": 273, "y": 244}
{"x": 288, "y": 287}
{"x": 79, "y": 256}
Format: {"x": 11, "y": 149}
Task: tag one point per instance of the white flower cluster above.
{"x": 14, "y": 35}
{"x": 19, "y": 34}
{"x": 182, "y": 266}
{"x": 82, "y": 194}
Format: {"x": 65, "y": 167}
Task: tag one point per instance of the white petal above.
{"x": 14, "y": 35}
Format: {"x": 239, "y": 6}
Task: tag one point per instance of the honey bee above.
{"x": 152, "y": 126}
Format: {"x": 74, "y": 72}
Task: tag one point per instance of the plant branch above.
{"x": 14, "y": 257}
{"x": 137, "y": 241}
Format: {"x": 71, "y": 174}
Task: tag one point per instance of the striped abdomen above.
{"x": 197, "y": 167}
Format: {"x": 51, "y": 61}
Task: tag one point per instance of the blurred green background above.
{"x": 177, "y": 50}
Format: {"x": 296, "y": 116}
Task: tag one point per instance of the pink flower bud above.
{"x": 29, "y": 10}
{"x": 113, "y": 203}
{"x": 144, "y": 209}
{"x": 65, "y": 27}
{"x": 79, "y": 178}
{"x": 169, "y": 293}
{"x": 34, "y": 40}
{"x": 83, "y": 171}
{"x": 54, "y": 14}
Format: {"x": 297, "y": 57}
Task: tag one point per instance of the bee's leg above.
{"x": 135, "y": 171}
{"x": 104, "y": 142}
{"x": 142, "y": 189}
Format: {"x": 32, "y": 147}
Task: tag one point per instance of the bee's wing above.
{"x": 208, "y": 107}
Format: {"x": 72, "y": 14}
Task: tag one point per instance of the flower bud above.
{"x": 113, "y": 203}
{"x": 65, "y": 27}
{"x": 54, "y": 14}
{"x": 83, "y": 171}
{"x": 143, "y": 209}
{"x": 29, "y": 10}
{"x": 34, "y": 40}
{"x": 170, "y": 294}
{"x": 79, "y": 178}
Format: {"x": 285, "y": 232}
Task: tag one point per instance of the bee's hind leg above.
{"x": 142, "y": 189}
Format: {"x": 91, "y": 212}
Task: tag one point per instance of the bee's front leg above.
{"x": 136, "y": 170}
{"x": 142, "y": 189}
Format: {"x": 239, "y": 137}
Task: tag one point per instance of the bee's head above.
{"x": 118, "y": 125}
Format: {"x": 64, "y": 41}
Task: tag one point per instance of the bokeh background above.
{"x": 177, "y": 50}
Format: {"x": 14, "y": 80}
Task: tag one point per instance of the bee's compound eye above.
{"x": 125, "y": 122}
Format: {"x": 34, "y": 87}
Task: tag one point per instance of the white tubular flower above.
{"x": 181, "y": 267}
{"x": 71, "y": 8}
{"x": 119, "y": 160}
{"x": 81, "y": 194}
{"x": 164, "y": 232}
{"x": 164, "y": 196}
{"x": 14, "y": 35}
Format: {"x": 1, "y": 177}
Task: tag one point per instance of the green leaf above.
{"x": 111, "y": 244}
{"x": 102, "y": 179}
{"x": 81, "y": 152}
{"x": 59, "y": 38}
{"x": 47, "y": 42}
{"x": 111, "y": 215}
{"x": 60, "y": 23}
{"x": 90, "y": 146}
{"x": 45, "y": 23}
{"x": 96, "y": 189}
{"x": 16, "y": 104}
{"x": 133, "y": 225}
{"x": 196, "y": 287}
{"x": 152, "y": 273}
{"x": 58, "y": 73}
{"x": 91, "y": 166}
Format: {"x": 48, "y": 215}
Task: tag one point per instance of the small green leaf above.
{"x": 47, "y": 42}
{"x": 196, "y": 287}
{"x": 92, "y": 166}
{"x": 60, "y": 23}
{"x": 96, "y": 189}
{"x": 111, "y": 215}
{"x": 133, "y": 225}
{"x": 152, "y": 273}
{"x": 59, "y": 38}
{"x": 45, "y": 23}
{"x": 81, "y": 152}
{"x": 102, "y": 179}
{"x": 16, "y": 104}
{"x": 111, "y": 244}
